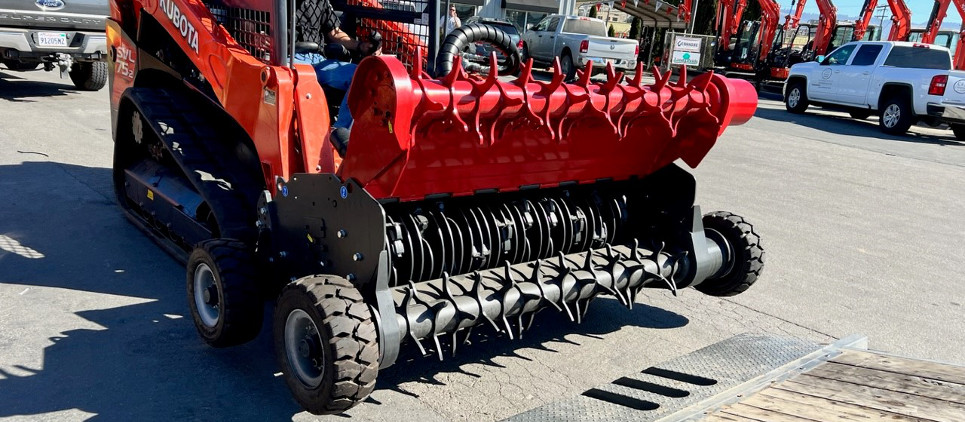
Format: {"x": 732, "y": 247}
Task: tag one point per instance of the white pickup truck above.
{"x": 896, "y": 80}
{"x": 951, "y": 108}
{"x": 577, "y": 40}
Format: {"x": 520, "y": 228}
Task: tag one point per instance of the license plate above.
{"x": 52, "y": 39}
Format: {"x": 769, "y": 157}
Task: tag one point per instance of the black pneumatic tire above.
{"x": 744, "y": 246}
{"x": 89, "y": 76}
{"x": 797, "y": 102}
{"x": 21, "y": 66}
{"x": 234, "y": 313}
{"x": 567, "y": 66}
{"x": 465, "y": 36}
{"x": 959, "y": 131}
{"x": 341, "y": 338}
{"x": 896, "y": 116}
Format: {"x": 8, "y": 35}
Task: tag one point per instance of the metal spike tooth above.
{"x": 536, "y": 279}
{"x": 634, "y": 250}
{"x": 416, "y": 72}
{"x": 584, "y": 78}
{"x": 406, "y": 301}
{"x": 682, "y": 79}
{"x": 588, "y": 262}
{"x": 702, "y": 81}
{"x": 435, "y": 339}
{"x": 455, "y": 341}
{"x": 525, "y": 73}
{"x": 637, "y": 76}
{"x": 450, "y": 79}
{"x": 659, "y": 80}
{"x": 478, "y": 289}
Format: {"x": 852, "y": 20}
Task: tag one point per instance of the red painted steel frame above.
{"x": 415, "y": 136}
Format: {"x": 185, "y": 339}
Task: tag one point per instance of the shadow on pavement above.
{"x": 15, "y": 88}
{"x": 845, "y": 125}
{"x": 146, "y": 362}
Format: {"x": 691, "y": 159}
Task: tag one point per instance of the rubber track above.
{"x": 242, "y": 310}
{"x": 749, "y": 262}
{"x": 353, "y": 337}
{"x": 198, "y": 143}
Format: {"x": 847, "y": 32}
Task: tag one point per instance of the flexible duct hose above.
{"x": 466, "y": 36}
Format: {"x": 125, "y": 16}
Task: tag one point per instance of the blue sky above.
{"x": 920, "y": 9}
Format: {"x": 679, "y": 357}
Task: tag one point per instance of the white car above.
{"x": 896, "y": 80}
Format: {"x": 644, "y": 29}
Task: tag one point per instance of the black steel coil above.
{"x": 462, "y": 235}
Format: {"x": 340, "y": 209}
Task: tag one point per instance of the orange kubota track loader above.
{"x": 463, "y": 200}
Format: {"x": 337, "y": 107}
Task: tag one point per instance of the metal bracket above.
{"x": 390, "y": 338}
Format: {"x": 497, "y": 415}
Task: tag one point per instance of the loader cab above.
{"x": 844, "y": 32}
{"x": 944, "y": 38}
{"x": 746, "y": 45}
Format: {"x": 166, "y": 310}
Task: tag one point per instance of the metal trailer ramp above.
{"x": 766, "y": 378}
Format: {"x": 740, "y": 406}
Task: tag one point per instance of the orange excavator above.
{"x": 755, "y": 39}
{"x": 900, "y": 18}
{"x": 727, "y": 21}
{"x": 932, "y": 30}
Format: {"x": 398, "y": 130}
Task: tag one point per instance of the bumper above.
{"x": 600, "y": 62}
{"x": 950, "y": 113}
{"x": 21, "y": 44}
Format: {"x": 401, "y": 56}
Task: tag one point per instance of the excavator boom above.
{"x": 826, "y": 23}
{"x": 792, "y": 21}
{"x": 770, "y": 15}
{"x": 864, "y": 18}
{"x": 901, "y": 21}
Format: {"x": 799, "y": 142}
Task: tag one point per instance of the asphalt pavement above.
{"x": 862, "y": 233}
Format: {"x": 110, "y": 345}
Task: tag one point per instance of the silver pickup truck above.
{"x": 577, "y": 40}
{"x": 65, "y": 34}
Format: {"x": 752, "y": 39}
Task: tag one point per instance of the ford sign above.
{"x": 50, "y": 4}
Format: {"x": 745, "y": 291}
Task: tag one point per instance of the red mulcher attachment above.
{"x": 414, "y": 136}
{"x": 498, "y": 199}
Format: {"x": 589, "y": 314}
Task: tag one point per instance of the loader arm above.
{"x": 901, "y": 21}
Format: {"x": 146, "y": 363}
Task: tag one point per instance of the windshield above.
{"x": 584, "y": 26}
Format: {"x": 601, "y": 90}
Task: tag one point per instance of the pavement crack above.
{"x": 780, "y": 319}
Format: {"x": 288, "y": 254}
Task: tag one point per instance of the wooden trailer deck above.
{"x": 772, "y": 379}
{"x": 858, "y": 385}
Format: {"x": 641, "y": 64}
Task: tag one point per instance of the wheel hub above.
{"x": 303, "y": 348}
{"x": 206, "y": 296}
{"x": 794, "y": 97}
{"x": 211, "y": 295}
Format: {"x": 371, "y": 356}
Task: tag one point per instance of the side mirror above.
{"x": 819, "y": 59}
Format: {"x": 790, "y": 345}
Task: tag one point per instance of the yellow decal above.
{"x": 150, "y": 195}
{"x": 310, "y": 239}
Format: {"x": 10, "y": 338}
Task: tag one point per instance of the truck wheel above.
{"x": 89, "y": 76}
{"x": 896, "y": 116}
{"x": 567, "y": 66}
{"x": 796, "y": 99}
{"x": 860, "y": 114}
{"x": 326, "y": 343}
{"x": 746, "y": 256}
{"x": 959, "y": 131}
{"x": 524, "y": 54}
{"x": 222, "y": 292}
